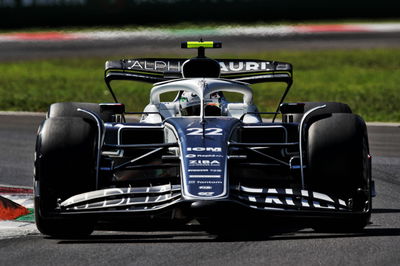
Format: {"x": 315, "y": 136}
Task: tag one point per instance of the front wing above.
{"x": 150, "y": 200}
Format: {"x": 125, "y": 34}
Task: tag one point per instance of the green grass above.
{"x": 367, "y": 80}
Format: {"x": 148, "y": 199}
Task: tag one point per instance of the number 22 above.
{"x": 198, "y": 131}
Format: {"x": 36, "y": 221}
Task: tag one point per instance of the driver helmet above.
{"x": 189, "y": 104}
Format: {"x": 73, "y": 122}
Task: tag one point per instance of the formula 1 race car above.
{"x": 201, "y": 157}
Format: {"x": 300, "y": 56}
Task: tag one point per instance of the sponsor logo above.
{"x": 197, "y": 170}
{"x": 157, "y": 65}
{"x": 204, "y": 163}
{"x": 191, "y": 155}
{"x": 208, "y": 182}
{"x": 200, "y": 149}
{"x": 227, "y": 66}
{"x": 293, "y": 201}
{"x": 204, "y": 176}
{"x": 216, "y": 170}
{"x": 245, "y": 66}
{"x": 210, "y": 156}
{"x": 206, "y": 193}
{"x": 114, "y": 197}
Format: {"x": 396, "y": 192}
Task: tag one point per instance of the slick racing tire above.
{"x": 331, "y": 107}
{"x": 64, "y": 166}
{"x": 69, "y": 109}
{"x": 339, "y": 164}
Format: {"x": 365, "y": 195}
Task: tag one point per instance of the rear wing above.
{"x": 163, "y": 69}
{"x": 156, "y": 70}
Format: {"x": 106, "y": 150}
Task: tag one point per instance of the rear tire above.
{"x": 64, "y": 166}
{"x": 339, "y": 164}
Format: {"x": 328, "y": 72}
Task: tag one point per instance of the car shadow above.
{"x": 203, "y": 236}
{"x": 197, "y": 233}
{"x": 381, "y": 210}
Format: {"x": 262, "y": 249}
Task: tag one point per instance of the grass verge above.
{"x": 367, "y": 80}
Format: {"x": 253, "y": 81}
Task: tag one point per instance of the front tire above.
{"x": 64, "y": 166}
{"x": 339, "y": 164}
{"x": 69, "y": 109}
{"x": 330, "y": 107}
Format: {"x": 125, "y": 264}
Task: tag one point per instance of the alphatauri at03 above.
{"x": 201, "y": 157}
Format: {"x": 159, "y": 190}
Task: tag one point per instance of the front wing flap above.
{"x": 148, "y": 199}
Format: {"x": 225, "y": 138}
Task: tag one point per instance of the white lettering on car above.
{"x": 227, "y": 66}
{"x": 204, "y": 163}
{"x": 200, "y": 149}
{"x": 113, "y": 191}
{"x": 136, "y": 64}
{"x": 162, "y": 63}
{"x": 198, "y": 131}
{"x": 206, "y": 193}
{"x": 238, "y": 68}
{"x": 252, "y": 66}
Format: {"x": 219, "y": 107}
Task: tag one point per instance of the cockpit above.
{"x": 202, "y": 97}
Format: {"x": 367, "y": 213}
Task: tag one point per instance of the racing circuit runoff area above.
{"x": 378, "y": 244}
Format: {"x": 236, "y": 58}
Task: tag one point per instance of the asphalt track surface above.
{"x": 377, "y": 245}
{"x": 143, "y": 46}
